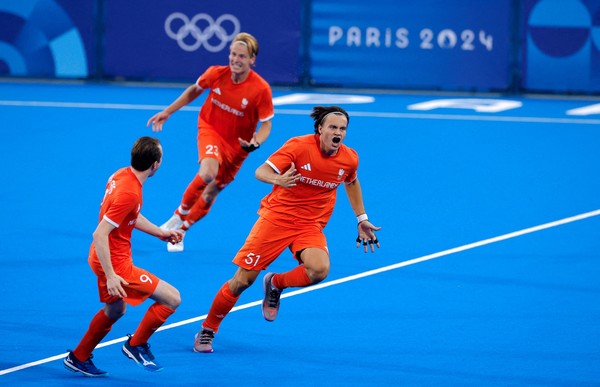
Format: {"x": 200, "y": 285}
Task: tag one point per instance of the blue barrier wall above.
{"x": 47, "y": 38}
{"x": 492, "y": 45}
{"x": 561, "y": 45}
{"x": 388, "y": 43}
{"x": 179, "y": 39}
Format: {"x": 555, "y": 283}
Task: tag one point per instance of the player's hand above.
{"x": 114, "y": 285}
{"x": 171, "y": 236}
{"x": 158, "y": 120}
{"x": 288, "y": 178}
{"x": 366, "y": 236}
{"x": 249, "y": 146}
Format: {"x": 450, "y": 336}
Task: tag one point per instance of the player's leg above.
{"x": 224, "y": 301}
{"x": 263, "y": 245}
{"x": 310, "y": 249}
{"x": 202, "y": 205}
{"x": 206, "y": 174}
{"x": 167, "y": 299}
{"x": 228, "y": 166}
{"x": 209, "y": 158}
{"x": 194, "y": 214}
{"x": 80, "y": 359}
{"x": 316, "y": 267}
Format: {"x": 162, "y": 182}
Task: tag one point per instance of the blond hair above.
{"x": 247, "y": 40}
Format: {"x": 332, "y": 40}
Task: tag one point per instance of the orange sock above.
{"x": 99, "y": 328}
{"x": 156, "y": 316}
{"x": 222, "y": 304}
{"x": 192, "y": 192}
{"x": 197, "y": 212}
{"x": 296, "y": 278}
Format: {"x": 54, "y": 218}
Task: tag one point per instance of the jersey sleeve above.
{"x": 121, "y": 205}
{"x": 281, "y": 160}
{"x": 353, "y": 174}
{"x": 266, "y": 111}
{"x": 206, "y": 80}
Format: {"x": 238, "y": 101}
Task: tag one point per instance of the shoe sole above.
{"x": 130, "y": 356}
{"x": 86, "y": 374}
{"x": 195, "y": 350}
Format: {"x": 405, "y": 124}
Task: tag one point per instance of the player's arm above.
{"x": 188, "y": 95}
{"x": 259, "y": 137}
{"x": 267, "y": 174}
{"x": 264, "y": 130}
{"x": 366, "y": 230}
{"x": 172, "y": 236}
{"x": 113, "y": 281}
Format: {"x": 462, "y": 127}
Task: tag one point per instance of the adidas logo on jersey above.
{"x": 217, "y": 91}
{"x": 306, "y": 167}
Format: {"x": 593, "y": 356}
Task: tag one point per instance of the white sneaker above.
{"x": 173, "y": 223}
{"x": 177, "y": 247}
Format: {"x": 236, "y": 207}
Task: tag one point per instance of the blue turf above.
{"x": 518, "y": 312}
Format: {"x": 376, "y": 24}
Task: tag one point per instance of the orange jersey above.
{"x": 234, "y": 110}
{"x": 312, "y": 200}
{"x": 120, "y": 207}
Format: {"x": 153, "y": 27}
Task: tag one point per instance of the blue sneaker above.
{"x": 87, "y": 367}
{"x": 141, "y": 355}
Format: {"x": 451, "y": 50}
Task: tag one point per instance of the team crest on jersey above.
{"x": 244, "y": 103}
{"x": 340, "y": 174}
{"x": 111, "y": 187}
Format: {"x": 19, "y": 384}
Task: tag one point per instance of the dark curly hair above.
{"x": 320, "y": 112}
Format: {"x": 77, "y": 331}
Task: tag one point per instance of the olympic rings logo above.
{"x": 189, "y": 36}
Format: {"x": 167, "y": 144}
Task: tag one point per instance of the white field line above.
{"x": 422, "y": 116}
{"x": 414, "y": 261}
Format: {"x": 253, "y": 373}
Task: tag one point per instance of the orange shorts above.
{"x": 142, "y": 284}
{"x": 267, "y": 241}
{"x": 230, "y": 158}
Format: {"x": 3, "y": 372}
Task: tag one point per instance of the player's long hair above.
{"x": 320, "y": 112}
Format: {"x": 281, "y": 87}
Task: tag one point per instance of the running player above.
{"x": 238, "y": 100}
{"x": 305, "y": 173}
{"x": 119, "y": 281}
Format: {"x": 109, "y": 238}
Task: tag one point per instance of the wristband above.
{"x": 251, "y": 147}
{"x": 362, "y": 218}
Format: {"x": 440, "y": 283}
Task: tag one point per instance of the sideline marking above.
{"x": 424, "y": 258}
{"x": 426, "y": 116}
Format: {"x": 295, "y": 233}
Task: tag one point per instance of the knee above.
{"x": 115, "y": 311}
{"x": 237, "y": 285}
{"x": 208, "y": 171}
{"x": 245, "y": 283}
{"x": 208, "y": 176}
{"x": 318, "y": 273}
{"x": 174, "y": 299}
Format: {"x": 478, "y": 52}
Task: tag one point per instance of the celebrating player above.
{"x": 119, "y": 281}
{"x": 305, "y": 173}
{"x": 238, "y": 100}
